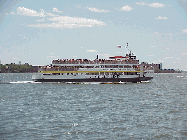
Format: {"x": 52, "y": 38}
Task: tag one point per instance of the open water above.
{"x": 154, "y": 110}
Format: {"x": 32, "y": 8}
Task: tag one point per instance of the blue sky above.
{"x": 38, "y": 31}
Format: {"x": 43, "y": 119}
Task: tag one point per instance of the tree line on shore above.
{"x": 15, "y": 68}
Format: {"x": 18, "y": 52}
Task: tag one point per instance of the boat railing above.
{"x": 103, "y": 61}
{"x": 76, "y": 68}
{"x": 58, "y": 69}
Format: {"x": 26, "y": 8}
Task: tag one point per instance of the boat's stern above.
{"x": 36, "y": 77}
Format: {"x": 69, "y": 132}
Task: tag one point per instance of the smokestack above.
{"x": 97, "y": 57}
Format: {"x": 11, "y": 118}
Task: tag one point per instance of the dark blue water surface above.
{"x": 154, "y": 110}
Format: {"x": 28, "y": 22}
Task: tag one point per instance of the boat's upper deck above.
{"x": 86, "y": 61}
{"x": 128, "y": 59}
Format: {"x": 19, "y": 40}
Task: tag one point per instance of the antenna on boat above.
{"x": 127, "y": 47}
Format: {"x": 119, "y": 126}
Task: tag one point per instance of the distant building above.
{"x": 160, "y": 66}
{"x": 19, "y": 62}
{"x": 155, "y": 66}
{"x": 0, "y": 62}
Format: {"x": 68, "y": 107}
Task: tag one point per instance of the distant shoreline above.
{"x": 26, "y": 68}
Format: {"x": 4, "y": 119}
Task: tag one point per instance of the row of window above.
{"x": 102, "y": 73}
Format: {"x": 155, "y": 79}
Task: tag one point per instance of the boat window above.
{"x": 46, "y": 74}
{"x": 67, "y": 73}
{"x": 56, "y": 73}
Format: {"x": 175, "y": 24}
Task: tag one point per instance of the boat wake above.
{"x": 182, "y": 76}
{"x": 23, "y": 82}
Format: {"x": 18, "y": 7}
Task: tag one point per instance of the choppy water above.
{"x": 154, "y": 110}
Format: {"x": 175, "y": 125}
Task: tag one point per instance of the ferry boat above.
{"x": 117, "y": 69}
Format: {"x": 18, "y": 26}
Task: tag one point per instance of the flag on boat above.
{"x": 118, "y": 46}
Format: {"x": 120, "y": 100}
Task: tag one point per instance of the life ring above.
{"x": 115, "y": 76}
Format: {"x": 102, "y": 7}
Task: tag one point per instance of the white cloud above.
{"x": 52, "y": 15}
{"x": 91, "y": 51}
{"x": 42, "y": 11}
{"x": 58, "y": 21}
{"x": 156, "y": 5}
{"x": 52, "y": 56}
{"x": 79, "y": 6}
{"x": 143, "y": 3}
{"x": 126, "y": 8}
{"x": 185, "y": 30}
{"x": 161, "y": 61}
{"x": 96, "y": 10}
{"x": 48, "y": 14}
{"x": 154, "y": 62}
{"x": 159, "y": 17}
{"x": 56, "y": 10}
{"x": 167, "y": 57}
{"x": 29, "y": 12}
{"x": 70, "y": 22}
{"x": 13, "y": 13}
{"x": 40, "y": 20}
{"x": 106, "y": 56}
